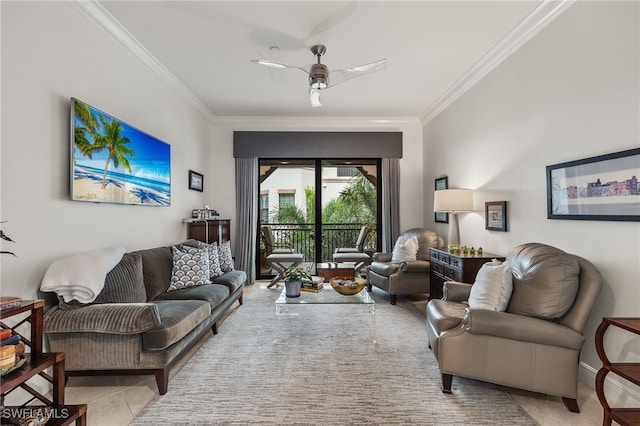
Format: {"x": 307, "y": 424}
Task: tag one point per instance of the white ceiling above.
{"x": 430, "y": 47}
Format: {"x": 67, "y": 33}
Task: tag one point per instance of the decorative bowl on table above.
{"x": 348, "y": 286}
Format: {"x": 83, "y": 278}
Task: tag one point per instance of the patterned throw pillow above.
{"x": 214, "y": 261}
{"x": 226, "y": 259}
{"x": 190, "y": 268}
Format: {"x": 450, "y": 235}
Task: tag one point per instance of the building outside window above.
{"x": 286, "y": 197}
{"x": 344, "y": 171}
{"x": 264, "y": 207}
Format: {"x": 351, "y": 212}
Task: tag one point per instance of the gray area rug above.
{"x": 326, "y": 374}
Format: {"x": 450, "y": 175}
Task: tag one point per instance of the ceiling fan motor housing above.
{"x": 319, "y": 76}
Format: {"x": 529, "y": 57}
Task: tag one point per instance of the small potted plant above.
{"x": 293, "y": 277}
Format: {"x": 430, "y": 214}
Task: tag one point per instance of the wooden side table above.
{"x": 628, "y": 370}
{"x": 38, "y": 363}
{"x": 447, "y": 266}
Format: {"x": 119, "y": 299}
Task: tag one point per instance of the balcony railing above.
{"x": 301, "y": 238}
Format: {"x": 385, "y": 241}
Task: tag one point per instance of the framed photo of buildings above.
{"x": 596, "y": 188}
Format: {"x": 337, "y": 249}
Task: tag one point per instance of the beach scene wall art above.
{"x": 113, "y": 162}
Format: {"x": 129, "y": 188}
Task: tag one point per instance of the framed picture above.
{"x": 495, "y": 216}
{"x": 196, "y": 181}
{"x": 596, "y": 188}
{"x": 114, "y": 162}
{"x": 442, "y": 183}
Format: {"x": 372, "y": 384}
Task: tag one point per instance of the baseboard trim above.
{"x": 618, "y": 391}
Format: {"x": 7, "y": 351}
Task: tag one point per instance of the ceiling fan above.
{"x": 319, "y": 73}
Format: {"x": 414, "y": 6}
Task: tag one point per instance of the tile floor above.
{"x": 116, "y": 401}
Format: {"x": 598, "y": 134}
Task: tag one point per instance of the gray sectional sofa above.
{"x": 135, "y": 326}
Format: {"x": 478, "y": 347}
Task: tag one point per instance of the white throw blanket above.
{"x": 81, "y": 277}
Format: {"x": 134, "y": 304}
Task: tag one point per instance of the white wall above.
{"x": 571, "y": 92}
{"x": 411, "y": 190}
{"x": 51, "y": 52}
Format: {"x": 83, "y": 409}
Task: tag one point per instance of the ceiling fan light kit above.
{"x": 319, "y": 76}
{"x": 319, "y": 73}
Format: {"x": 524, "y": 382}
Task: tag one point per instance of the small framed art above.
{"x": 495, "y": 215}
{"x": 196, "y": 181}
{"x": 441, "y": 183}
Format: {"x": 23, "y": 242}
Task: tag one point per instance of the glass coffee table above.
{"x": 324, "y": 314}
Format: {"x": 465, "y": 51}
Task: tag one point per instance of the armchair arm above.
{"x": 111, "y": 318}
{"x": 381, "y": 257}
{"x": 454, "y": 291}
{"x": 421, "y": 266}
{"x": 520, "y": 327}
{"x": 347, "y": 250}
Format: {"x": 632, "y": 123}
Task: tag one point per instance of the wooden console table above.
{"x": 628, "y": 370}
{"x": 35, "y": 365}
{"x": 447, "y": 266}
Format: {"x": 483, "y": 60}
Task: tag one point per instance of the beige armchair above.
{"x": 535, "y": 345}
{"x": 410, "y": 277}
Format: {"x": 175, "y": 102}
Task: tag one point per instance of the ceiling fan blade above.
{"x": 340, "y": 76}
{"x": 314, "y": 97}
{"x": 334, "y": 19}
{"x": 274, "y": 64}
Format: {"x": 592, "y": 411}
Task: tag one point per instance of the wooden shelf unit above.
{"x": 36, "y": 364}
{"x": 628, "y": 370}
{"x": 209, "y": 230}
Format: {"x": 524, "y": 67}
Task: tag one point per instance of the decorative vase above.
{"x": 292, "y": 288}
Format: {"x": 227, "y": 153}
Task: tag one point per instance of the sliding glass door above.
{"x": 313, "y": 206}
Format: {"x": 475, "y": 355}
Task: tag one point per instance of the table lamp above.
{"x": 453, "y": 201}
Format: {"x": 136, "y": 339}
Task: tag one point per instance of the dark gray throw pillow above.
{"x": 125, "y": 282}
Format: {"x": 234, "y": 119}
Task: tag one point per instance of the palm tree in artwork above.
{"x": 115, "y": 143}
{"x": 88, "y": 127}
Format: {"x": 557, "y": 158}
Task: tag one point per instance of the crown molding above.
{"x": 343, "y": 123}
{"x": 95, "y": 13}
{"x": 528, "y": 27}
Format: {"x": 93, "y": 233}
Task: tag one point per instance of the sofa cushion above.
{"x": 233, "y": 280}
{"x": 492, "y": 287}
{"x": 545, "y": 281}
{"x": 190, "y": 268}
{"x": 225, "y": 256}
{"x": 157, "y": 264}
{"x": 125, "y": 282}
{"x": 177, "y": 319}
{"x": 215, "y": 294}
{"x": 104, "y": 318}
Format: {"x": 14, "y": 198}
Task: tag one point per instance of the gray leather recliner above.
{"x": 525, "y": 347}
{"x": 411, "y": 277}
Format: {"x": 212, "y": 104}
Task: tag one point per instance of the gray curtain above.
{"x": 247, "y": 214}
{"x": 390, "y": 202}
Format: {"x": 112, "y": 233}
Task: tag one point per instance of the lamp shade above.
{"x": 453, "y": 200}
